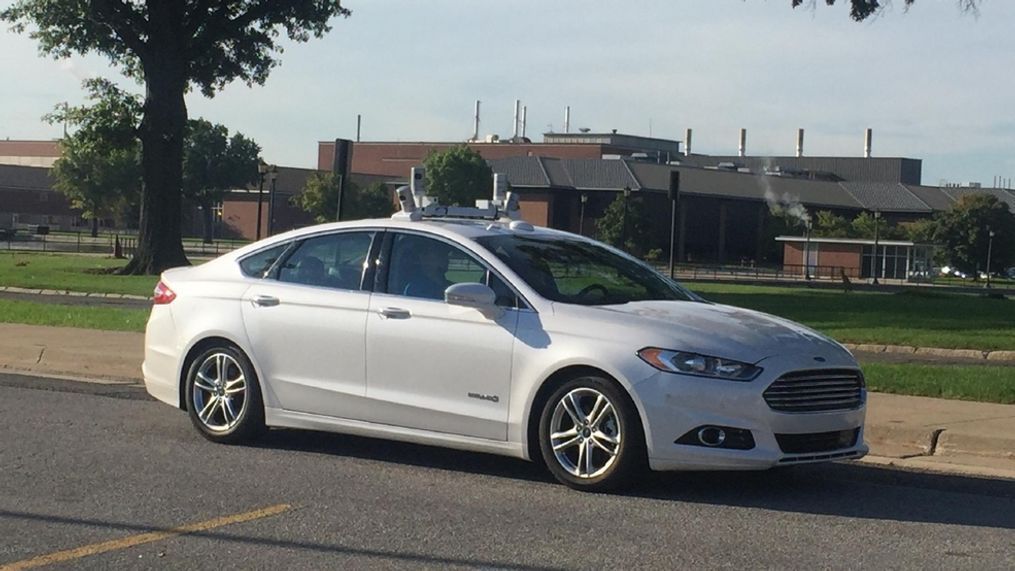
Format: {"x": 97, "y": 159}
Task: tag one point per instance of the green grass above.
{"x": 86, "y": 317}
{"x": 973, "y": 382}
{"x": 70, "y": 273}
{"x": 917, "y": 317}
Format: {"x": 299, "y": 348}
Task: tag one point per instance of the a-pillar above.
{"x": 722, "y": 232}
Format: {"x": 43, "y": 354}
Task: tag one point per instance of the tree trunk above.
{"x": 159, "y": 244}
{"x": 95, "y": 227}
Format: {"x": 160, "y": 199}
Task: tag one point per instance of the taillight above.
{"x": 163, "y": 294}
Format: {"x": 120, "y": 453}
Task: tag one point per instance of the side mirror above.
{"x": 470, "y": 295}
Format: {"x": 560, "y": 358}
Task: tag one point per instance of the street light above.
{"x": 990, "y": 245}
{"x": 874, "y": 260}
{"x": 623, "y": 227}
{"x": 807, "y": 250}
{"x": 581, "y": 217}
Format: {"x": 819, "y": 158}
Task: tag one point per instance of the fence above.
{"x": 776, "y": 273}
{"x": 84, "y": 243}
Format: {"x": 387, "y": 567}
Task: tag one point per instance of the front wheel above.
{"x": 590, "y": 436}
{"x": 223, "y": 397}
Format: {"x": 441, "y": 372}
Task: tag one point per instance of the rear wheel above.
{"x": 223, "y": 397}
{"x": 590, "y": 436}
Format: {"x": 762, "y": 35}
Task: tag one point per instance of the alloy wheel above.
{"x": 585, "y": 433}
{"x": 219, "y": 392}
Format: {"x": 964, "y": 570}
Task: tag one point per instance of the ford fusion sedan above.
{"x": 495, "y": 336}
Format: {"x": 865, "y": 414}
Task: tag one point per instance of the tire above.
{"x": 225, "y": 405}
{"x": 592, "y": 413}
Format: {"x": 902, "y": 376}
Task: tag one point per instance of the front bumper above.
{"x": 674, "y": 405}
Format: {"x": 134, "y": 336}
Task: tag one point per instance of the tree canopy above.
{"x": 964, "y": 231}
{"x": 171, "y": 46}
{"x": 624, "y": 224}
{"x": 860, "y": 10}
{"x": 98, "y": 170}
{"x": 458, "y": 176}
{"x": 320, "y": 199}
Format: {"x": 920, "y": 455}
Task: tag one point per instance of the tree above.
{"x": 458, "y": 176}
{"x": 320, "y": 199}
{"x": 863, "y": 227}
{"x": 213, "y": 163}
{"x": 627, "y": 231}
{"x": 829, "y": 225}
{"x": 964, "y": 232}
{"x": 171, "y": 46}
{"x": 99, "y": 168}
{"x": 860, "y": 10}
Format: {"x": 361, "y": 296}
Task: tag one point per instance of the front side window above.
{"x": 333, "y": 261}
{"x": 581, "y": 272}
{"x": 423, "y": 267}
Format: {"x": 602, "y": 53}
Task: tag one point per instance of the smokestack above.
{"x": 359, "y": 124}
{"x": 475, "y": 129}
{"x": 687, "y": 143}
{"x": 518, "y": 109}
{"x": 799, "y": 143}
{"x": 567, "y": 119}
{"x": 867, "y": 143}
{"x": 742, "y": 149}
{"x": 525, "y": 114}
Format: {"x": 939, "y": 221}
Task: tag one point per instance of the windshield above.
{"x": 578, "y": 271}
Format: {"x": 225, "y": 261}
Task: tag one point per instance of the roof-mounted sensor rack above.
{"x": 416, "y": 205}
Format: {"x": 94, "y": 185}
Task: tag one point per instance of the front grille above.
{"x": 817, "y": 441}
{"x": 816, "y": 391}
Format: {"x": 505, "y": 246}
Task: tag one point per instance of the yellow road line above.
{"x": 133, "y": 540}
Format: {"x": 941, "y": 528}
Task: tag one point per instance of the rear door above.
{"x": 306, "y": 324}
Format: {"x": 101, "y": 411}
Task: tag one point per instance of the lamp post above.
{"x": 581, "y": 216}
{"x": 623, "y": 226}
{"x": 990, "y": 246}
{"x": 807, "y": 250}
{"x": 874, "y": 260}
{"x": 272, "y": 176}
{"x": 262, "y": 169}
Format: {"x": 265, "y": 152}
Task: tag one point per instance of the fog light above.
{"x": 712, "y": 436}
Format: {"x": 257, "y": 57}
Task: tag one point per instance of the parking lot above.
{"x": 99, "y": 476}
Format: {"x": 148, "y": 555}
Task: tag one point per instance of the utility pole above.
{"x": 990, "y": 246}
{"x": 874, "y": 260}
{"x": 623, "y": 227}
{"x": 581, "y": 217}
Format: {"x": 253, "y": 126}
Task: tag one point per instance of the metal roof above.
{"x": 886, "y": 197}
{"x": 854, "y": 169}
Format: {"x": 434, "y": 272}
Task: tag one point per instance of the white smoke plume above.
{"x": 786, "y": 205}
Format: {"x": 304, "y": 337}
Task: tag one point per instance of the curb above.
{"x": 37, "y": 291}
{"x": 933, "y": 352}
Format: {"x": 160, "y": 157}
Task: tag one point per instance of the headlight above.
{"x": 700, "y": 365}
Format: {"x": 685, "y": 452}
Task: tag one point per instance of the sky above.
{"x": 932, "y": 82}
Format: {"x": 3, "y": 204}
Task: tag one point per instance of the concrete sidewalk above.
{"x": 907, "y": 431}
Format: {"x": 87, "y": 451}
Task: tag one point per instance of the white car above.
{"x": 499, "y": 337}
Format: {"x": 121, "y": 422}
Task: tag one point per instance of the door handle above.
{"x": 265, "y": 300}
{"x": 394, "y": 313}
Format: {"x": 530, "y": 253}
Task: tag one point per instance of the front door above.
{"x": 432, "y": 365}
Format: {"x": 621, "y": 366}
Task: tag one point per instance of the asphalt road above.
{"x": 82, "y": 464}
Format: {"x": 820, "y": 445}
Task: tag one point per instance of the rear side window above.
{"x": 333, "y": 261}
{"x": 257, "y": 264}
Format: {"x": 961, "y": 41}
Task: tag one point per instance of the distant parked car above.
{"x": 492, "y": 335}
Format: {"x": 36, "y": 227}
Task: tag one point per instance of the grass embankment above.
{"x": 915, "y": 317}
{"x": 973, "y": 382}
{"x": 85, "y": 317}
{"x": 70, "y": 273}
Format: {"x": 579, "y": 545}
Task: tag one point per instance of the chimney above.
{"x": 475, "y": 129}
{"x": 742, "y": 149}
{"x": 525, "y": 113}
{"x": 799, "y": 143}
{"x": 359, "y": 125}
{"x": 567, "y": 119}
{"x": 518, "y": 109}
{"x": 687, "y": 143}
{"x": 867, "y": 143}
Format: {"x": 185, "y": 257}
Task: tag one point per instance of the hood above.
{"x": 724, "y": 331}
